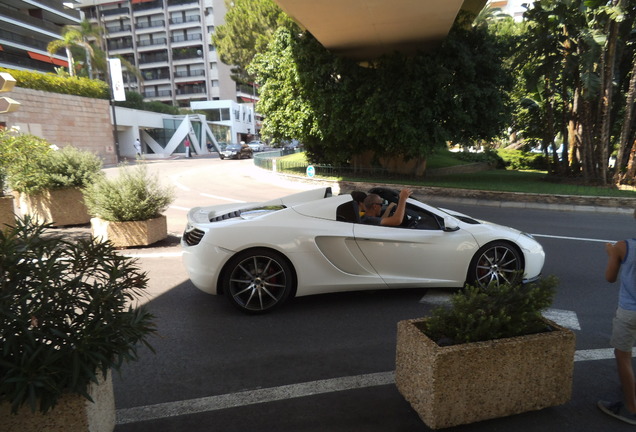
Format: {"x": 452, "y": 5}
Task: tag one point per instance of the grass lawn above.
{"x": 494, "y": 180}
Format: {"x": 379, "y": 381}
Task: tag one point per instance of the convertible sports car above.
{"x": 260, "y": 254}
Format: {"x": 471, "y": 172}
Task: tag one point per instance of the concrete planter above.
{"x": 454, "y": 385}
{"x": 73, "y": 413}
{"x": 57, "y": 206}
{"x": 134, "y": 233}
{"x": 7, "y": 211}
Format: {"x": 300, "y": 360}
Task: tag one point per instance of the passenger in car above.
{"x": 359, "y": 196}
{"x": 373, "y": 209}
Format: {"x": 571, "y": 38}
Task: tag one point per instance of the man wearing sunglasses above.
{"x": 373, "y": 210}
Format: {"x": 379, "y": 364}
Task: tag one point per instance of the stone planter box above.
{"x": 57, "y": 206}
{"x": 73, "y": 413}
{"x": 134, "y": 233}
{"x": 7, "y": 211}
{"x": 454, "y": 385}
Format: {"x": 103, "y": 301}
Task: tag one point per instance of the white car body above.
{"x": 330, "y": 255}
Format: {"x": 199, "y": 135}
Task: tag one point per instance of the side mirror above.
{"x": 450, "y": 224}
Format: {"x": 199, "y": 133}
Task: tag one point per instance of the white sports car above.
{"x": 260, "y": 254}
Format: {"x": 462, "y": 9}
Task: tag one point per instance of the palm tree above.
{"x": 71, "y": 37}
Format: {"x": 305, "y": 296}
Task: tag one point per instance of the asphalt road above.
{"x": 325, "y": 363}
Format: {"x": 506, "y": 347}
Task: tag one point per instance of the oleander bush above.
{"x": 67, "y": 314}
{"x": 135, "y": 195}
{"x": 32, "y": 164}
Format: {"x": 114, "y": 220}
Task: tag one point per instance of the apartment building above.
{"x": 27, "y": 27}
{"x": 169, "y": 42}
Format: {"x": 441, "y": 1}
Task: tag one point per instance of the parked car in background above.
{"x": 293, "y": 145}
{"x": 256, "y": 145}
{"x": 236, "y": 151}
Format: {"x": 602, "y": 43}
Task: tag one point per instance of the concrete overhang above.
{"x": 366, "y": 29}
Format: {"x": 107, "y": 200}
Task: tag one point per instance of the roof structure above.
{"x": 366, "y": 29}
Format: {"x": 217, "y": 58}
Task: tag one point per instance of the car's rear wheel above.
{"x": 497, "y": 262}
{"x": 257, "y": 281}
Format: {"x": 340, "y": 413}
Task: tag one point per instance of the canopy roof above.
{"x": 366, "y": 29}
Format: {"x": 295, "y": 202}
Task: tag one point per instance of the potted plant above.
{"x": 67, "y": 318}
{"x": 127, "y": 210}
{"x": 490, "y": 354}
{"x": 47, "y": 179}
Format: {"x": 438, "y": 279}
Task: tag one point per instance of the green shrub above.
{"x": 134, "y": 195}
{"x": 20, "y": 159}
{"x": 65, "y": 314}
{"x": 520, "y": 160}
{"x": 78, "y": 86}
{"x": 70, "y": 167}
{"x": 498, "y": 311}
{"x": 489, "y": 156}
{"x": 32, "y": 164}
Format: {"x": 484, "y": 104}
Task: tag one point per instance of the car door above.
{"x": 406, "y": 257}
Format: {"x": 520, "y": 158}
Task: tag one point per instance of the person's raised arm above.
{"x": 396, "y": 218}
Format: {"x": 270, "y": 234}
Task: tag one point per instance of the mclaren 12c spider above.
{"x": 260, "y": 254}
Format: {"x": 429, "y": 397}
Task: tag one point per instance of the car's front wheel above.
{"x": 497, "y": 262}
{"x": 257, "y": 281}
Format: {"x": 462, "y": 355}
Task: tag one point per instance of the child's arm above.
{"x": 615, "y": 255}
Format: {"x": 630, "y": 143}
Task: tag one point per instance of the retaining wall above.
{"x": 65, "y": 120}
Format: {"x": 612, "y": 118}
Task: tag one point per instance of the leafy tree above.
{"x": 71, "y": 37}
{"x": 404, "y": 106}
{"x": 574, "y": 63}
{"x": 248, "y": 29}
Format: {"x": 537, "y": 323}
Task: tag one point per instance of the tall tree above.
{"x": 248, "y": 29}
{"x": 71, "y": 37}
{"x": 399, "y": 106}
{"x": 579, "y": 49}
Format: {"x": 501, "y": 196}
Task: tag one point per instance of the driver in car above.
{"x": 373, "y": 209}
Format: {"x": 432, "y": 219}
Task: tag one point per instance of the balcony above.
{"x": 117, "y": 11}
{"x": 22, "y": 40}
{"x": 152, "y": 24}
{"x": 152, "y": 42}
{"x": 184, "y": 74}
{"x": 158, "y": 94}
{"x": 120, "y": 45}
{"x": 145, "y": 59}
{"x": 148, "y": 5}
{"x": 187, "y": 38}
{"x": 118, "y": 28}
{"x": 185, "y": 20}
{"x": 181, "y": 2}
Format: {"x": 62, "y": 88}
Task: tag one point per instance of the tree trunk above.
{"x": 69, "y": 56}
{"x": 627, "y": 126}
{"x": 607, "y": 79}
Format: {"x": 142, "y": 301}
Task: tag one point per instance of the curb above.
{"x": 520, "y": 200}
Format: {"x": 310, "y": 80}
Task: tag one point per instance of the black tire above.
{"x": 497, "y": 262}
{"x": 257, "y": 281}
{"x": 222, "y": 157}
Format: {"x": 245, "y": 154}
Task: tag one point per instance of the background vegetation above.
{"x": 563, "y": 76}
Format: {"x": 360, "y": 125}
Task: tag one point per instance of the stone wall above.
{"x": 65, "y": 120}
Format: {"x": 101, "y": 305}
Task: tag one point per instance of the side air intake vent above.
{"x": 193, "y": 238}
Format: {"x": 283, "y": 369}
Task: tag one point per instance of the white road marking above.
{"x": 573, "y": 238}
{"x": 154, "y": 255}
{"x": 250, "y": 397}
{"x": 565, "y": 318}
{"x": 221, "y": 198}
{"x": 180, "y": 208}
{"x": 291, "y": 391}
